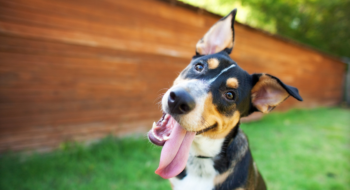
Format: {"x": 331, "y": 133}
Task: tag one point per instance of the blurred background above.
{"x": 92, "y": 72}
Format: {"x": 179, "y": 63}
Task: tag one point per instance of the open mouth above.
{"x": 161, "y": 130}
{"x": 176, "y": 142}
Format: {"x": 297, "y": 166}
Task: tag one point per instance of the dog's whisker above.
{"x": 165, "y": 89}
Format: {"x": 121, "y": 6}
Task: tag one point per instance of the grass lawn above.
{"x": 300, "y": 149}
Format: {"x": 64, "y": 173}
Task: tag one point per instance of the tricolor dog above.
{"x": 203, "y": 146}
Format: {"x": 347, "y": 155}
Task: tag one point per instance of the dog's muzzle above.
{"x": 180, "y": 101}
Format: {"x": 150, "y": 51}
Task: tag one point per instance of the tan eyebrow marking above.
{"x": 213, "y": 63}
{"x": 232, "y": 83}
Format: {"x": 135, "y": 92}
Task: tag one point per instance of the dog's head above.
{"x": 210, "y": 96}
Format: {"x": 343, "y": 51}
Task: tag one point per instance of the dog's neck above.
{"x": 205, "y": 147}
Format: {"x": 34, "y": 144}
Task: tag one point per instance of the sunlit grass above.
{"x": 300, "y": 149}
{"x": 127, "y": 163}
{"x": 303, "y": 149}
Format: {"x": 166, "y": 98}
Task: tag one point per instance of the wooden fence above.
{"x": 82, "y": 69}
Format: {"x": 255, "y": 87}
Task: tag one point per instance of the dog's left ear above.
{"x": 219, "y": 37}
{"x": 269, "y": 91}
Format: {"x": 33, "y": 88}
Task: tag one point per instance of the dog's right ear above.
{"x": 219, "y": 37}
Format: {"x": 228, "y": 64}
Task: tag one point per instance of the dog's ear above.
{"x": 219, "y": 37}
{"x": 268, "y": 91}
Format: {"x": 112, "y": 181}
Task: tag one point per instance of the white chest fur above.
{"x": 200, "y": 172}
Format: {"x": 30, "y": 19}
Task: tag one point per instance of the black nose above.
{"x": 180, "y": 101}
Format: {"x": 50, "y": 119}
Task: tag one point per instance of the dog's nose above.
{"x": 180, "y": 101}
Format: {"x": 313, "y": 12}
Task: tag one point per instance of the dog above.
{"x": 203, "y": 146}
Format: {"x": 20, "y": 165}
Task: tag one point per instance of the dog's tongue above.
{"x": 175, "y": 151}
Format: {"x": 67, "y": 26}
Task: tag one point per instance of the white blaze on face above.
{"x": 226, "y": 69}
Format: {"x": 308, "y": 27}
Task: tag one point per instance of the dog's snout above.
{"x": 180, "y": 101}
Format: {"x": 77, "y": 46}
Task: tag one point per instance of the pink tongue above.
{"x": 175, "y": 152}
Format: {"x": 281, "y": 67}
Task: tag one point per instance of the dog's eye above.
{"x": 230, "y": 95}
{"x": 199, "y": 67}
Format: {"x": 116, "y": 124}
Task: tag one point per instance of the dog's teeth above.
{"x": 155, "y": 136}
{"x": 154, "y": 125}
{"x": 166, "y": 138}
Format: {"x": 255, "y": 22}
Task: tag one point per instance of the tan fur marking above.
{"x": 213, "y": 63}
{"x": 212, "y": 116}
{"x": 219, "y": 179}
{"x": 274, "y": 94}
{"x": 232, "y": 83}
{"x": 256, "y": 174}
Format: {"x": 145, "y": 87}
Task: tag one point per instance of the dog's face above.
{"x": 210, "y": 96}
{"x": 212, "y": 93}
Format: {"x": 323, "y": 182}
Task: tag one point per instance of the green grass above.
{"x": 303, "y": 149}
{"x": 300, "y": 149}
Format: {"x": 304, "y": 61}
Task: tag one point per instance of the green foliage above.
{"x": 322, "y": 24}
{"x": 300, "y": 149}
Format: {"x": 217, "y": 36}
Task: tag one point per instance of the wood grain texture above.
{"x": 79, "y": 70}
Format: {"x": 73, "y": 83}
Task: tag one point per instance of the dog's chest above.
{"x": 200, "y": 172}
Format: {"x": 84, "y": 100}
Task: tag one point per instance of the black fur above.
{"x": 182, "y": 174}
{"x": 222, "y": 161}
{"x": 240, "y": 174}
